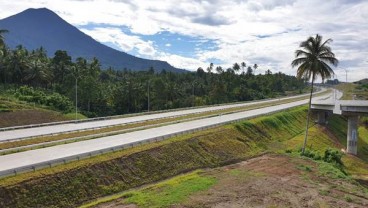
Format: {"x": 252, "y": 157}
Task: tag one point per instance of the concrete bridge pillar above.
{"x": 321, "y": 117}
{"x": 352, "y": 137}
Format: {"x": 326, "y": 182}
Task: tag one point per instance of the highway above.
{"x": 41, "y": 157}
{"x": 69, "y": 127}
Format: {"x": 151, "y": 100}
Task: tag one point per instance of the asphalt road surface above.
{"x": 55, "y": 129}
{"x": 27, "y": 159}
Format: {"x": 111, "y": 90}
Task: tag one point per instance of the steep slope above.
{"x": 33, "y": 28}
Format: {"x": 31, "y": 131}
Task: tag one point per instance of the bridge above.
{"x": 351, "y": 109}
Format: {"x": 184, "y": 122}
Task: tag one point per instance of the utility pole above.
{"x": 148, "y": 96}
{"x": 76, "y": 99}
{"x": 193, "y": 95}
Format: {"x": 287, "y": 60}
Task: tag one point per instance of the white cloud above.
{"x": 124, "y": 42}
{"x": 168, "y": 45}
{"x": 265, "y": 32}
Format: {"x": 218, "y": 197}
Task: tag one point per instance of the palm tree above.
{"x": 312, "y": 61}
{"x": 236, "y": 67}
{"x": 243, "y": 65}
{"x": 255, "y": 66}
{"x": 2, "y": 43}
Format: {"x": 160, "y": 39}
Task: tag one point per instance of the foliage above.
{"x": 120, "y": 91}
{"x": 54, "y": 100}
{"x": 312, "y": 61}
{"x": 333, "y": 156}
{"x": 170, "y": 192}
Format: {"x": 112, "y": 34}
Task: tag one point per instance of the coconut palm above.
{"x": 313, "y": 61}
{"x": 2, "y": 43}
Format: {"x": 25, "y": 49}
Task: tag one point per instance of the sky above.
{"x": 193, "y": 33}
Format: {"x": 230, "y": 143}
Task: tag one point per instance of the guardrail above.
{"x": 51, "y": 163}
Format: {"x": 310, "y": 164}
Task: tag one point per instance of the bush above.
{"x": 311, "y": 154}
{"x": 54, "y": 100}
{"x": 333, "y": 156}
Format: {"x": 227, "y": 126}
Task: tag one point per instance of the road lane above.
{"x": 27, "y": 159}
{"x": 69, "y": 127}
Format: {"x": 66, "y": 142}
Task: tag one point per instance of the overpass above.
{"x": 351, "y": 109}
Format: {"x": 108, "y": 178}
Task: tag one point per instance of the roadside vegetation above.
{"x": 354, "y": 91}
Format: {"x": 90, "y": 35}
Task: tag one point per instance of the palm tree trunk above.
{"x": 308, "y": 116}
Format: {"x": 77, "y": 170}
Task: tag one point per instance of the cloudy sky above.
{"x": 193, "y": 33}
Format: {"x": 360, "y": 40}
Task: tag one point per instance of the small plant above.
{"x": 324, "y": 192}
{"x": 305, "y": 168}
{"x": 311, "y": 154}
{"x": 289, "y": 151}
{"x": 348, "y": 198}
{"x": 333, "y": 156}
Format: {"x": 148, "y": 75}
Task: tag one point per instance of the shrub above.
{"x": 333, "y": 156}
{"x": 54, "y": 100}
{"x": 311, "y": 154}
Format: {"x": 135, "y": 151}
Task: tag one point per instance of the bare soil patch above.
{"x": 277, "y": 181}
{"x": 272, "y": 181}
{"x": 26, "y": 117}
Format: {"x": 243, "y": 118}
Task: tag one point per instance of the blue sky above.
{"x": 193, "y": 33}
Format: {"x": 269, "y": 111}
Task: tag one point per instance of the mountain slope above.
{"x": 33, "y": 28}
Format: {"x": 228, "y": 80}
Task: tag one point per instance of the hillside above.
{"x": 34, "y": 28}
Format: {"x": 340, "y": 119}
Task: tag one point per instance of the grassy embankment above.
{"x": 77, "y": 182}
{"x": 329, "y": 180}
{"x": 354, "y": 91}
{"x": 17, "y": 113}
{"x": 320, "y": 139}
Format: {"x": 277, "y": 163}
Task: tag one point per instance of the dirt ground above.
{"x": 273, "y": 181}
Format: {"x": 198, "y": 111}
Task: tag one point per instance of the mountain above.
{"x": 34, "y": 28}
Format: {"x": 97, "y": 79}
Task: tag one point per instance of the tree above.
{"x": 17, "y": 63}
{"x": 61, "y": 66}
{"x": 243, "y": 65}
{"x": 236, "y": 67}
{"x": 268, "y": 72}
{"x": 312, "y": 61}
{"x": 2, "y": 42}
{"x": 249, "y": 71}
{"x": 219, "y": 70}
{"x": 209, "y": 69}
{"x": 255, "y": 66}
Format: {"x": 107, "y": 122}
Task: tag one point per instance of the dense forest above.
{"x": 55, "y": 82}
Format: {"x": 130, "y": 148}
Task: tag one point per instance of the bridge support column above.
{"x": 321, "y": 117}
{"x": 352, "y": 137}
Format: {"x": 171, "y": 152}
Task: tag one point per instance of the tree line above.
{"x": 109, "y": 92}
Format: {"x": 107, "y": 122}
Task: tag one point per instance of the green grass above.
{"x": 331, "y": 171}
{"x": 347, "y": 89}
{"x": 353, "y": 91}
{"x": 71, "y": 116}
{"x": 165, "y": 193}
{"x": 168, "y": 193}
